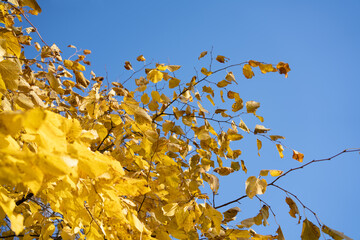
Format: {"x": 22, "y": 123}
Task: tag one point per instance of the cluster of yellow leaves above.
{"x": 113, "y": 163}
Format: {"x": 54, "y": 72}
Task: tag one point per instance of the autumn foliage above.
{"x": 81, "y": 158}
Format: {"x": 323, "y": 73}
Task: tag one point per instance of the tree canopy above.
{"x": 83, "y": 158}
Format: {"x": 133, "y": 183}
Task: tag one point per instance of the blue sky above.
{"x": 314, "y": 108}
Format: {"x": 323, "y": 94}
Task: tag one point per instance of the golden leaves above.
{"x": 247, "y": 71}
{"x": 274, "y": 173}
{"x": 155, "y": 76}
{"x": 260, "y": 129}
{"x": 230, "y": 214}
{"x": 252, "y": 106}
{"x": 254, "y": 186}
{"x": 222, "y": 59}
{"x": 205, "y": 72}
{"x": 309, "y": 231}
{"x": 334, "y": 234}
{"x": 203, "y": 54}
{"x": 283, "y": 68}
{"x": 174, "y": 82}
{"x": 141, "y": 58}
{"x": 9, "y": 72}
{"x": 293, "y": 207}
{"x": 128, "y": 65}
{"x": 223, "y": 171}
{"x": 298, "y": 156}
{"x": 280, "y": 150}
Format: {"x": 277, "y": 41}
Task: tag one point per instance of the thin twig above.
{"x": 314, "y": 161}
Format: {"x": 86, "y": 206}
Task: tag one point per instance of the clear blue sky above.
{"x": 316, "y": 108}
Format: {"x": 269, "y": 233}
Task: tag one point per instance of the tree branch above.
{"x": 314, "y": 161}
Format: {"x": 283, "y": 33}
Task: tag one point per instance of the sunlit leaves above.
{"x": 259, "y": 145}
{"x": 254, "y": 186}
{"x": 205, "y": 72}
{"x": 247, "y": 71}
{"x": 265, "y": 68}
{"x": 336, "y": 235}
{"x": 173, "y": 82}
{"x": 72, "y": 65}
{"x": 309, "y": 231}
{"x": 222, "y": 59}
{"x": 283, "y": 68}
{"x": 10, "y": 72}
{"x": 273, "y": 173}
{"x": 293, "y": 207}
{"x": 260, "y": 129}
{"x": 298, "y": 156}
{"x": 155, "y": 76}
{"x": 203, "y": 54}
{"x": 223, "y": 171}
{"x": 252, "y": 106}
{"x": 141, "y": 58}
{"x": 280, "y": 150}
{"x": 128, "y": 65}
{"x": 230, "y": 214}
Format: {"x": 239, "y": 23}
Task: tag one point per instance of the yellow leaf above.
{"x": 235, "y": 234}
{"x": 283, "y": 68}
{"x": 222, "y": 59}
{"x": 260, "y": 129}
{"x": 161, "y": 67}
{"x": 259, "y": 145}
{"x": 203, "y": 54}
{"x": 153, "y": 105}
{"x": 205, "y": 71}
{"x": 243, "y": 126}
{"x": 238, "y": 105}
{"x": 208, "y": 90}
{"x": 141, "y": 58}
{"x": 214, "y": 183}
{"x": 155, "y": 76}
{"x": 252, "y": 106}
{"x": 276, "y": 137}
{"x": 298, "y": 156}
{"x": 230, "y": 77}
{"x": 223, "y": 171}
{"x": 170, "y": 209}
{"x": 280, "y": 235}
{"x": 280, "y": 150}
{"x": 243, "y": 167}
{"x": 230, "y": 214}
{"x": 222, "y": 96}
{"x": 10, "y": 43}
{"x": 247, "y": 71}
{"x": 33, "y": 4}
{"x": 255, "y": 186}
{"x": 174, "y": 82}
{"x": 128, "y": 66}
{"x": 210, "y": 99}
{"x": 173, "y": 68}
{"x": 53, "y": 81}
{"x": 155, "y": 96}
{"x": 72, "y": 65}
{"x": 334, "y": 234}
{"x": 203, "y": 134}
{"x": 222, "y": 83}
{"x": 254, "y": 63}
{"x": 276, "y": 173}
{"x": 87, "y": 51}
{"x": 309, "y": 231}
{"x": 293, "y": 208}
{"x": 265, "y": 68}
{"x": 10, "y": 72}
{"x": 145, "y": 99}
{"x": 142, "y": 117}
{"x": 235, "y": 166}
